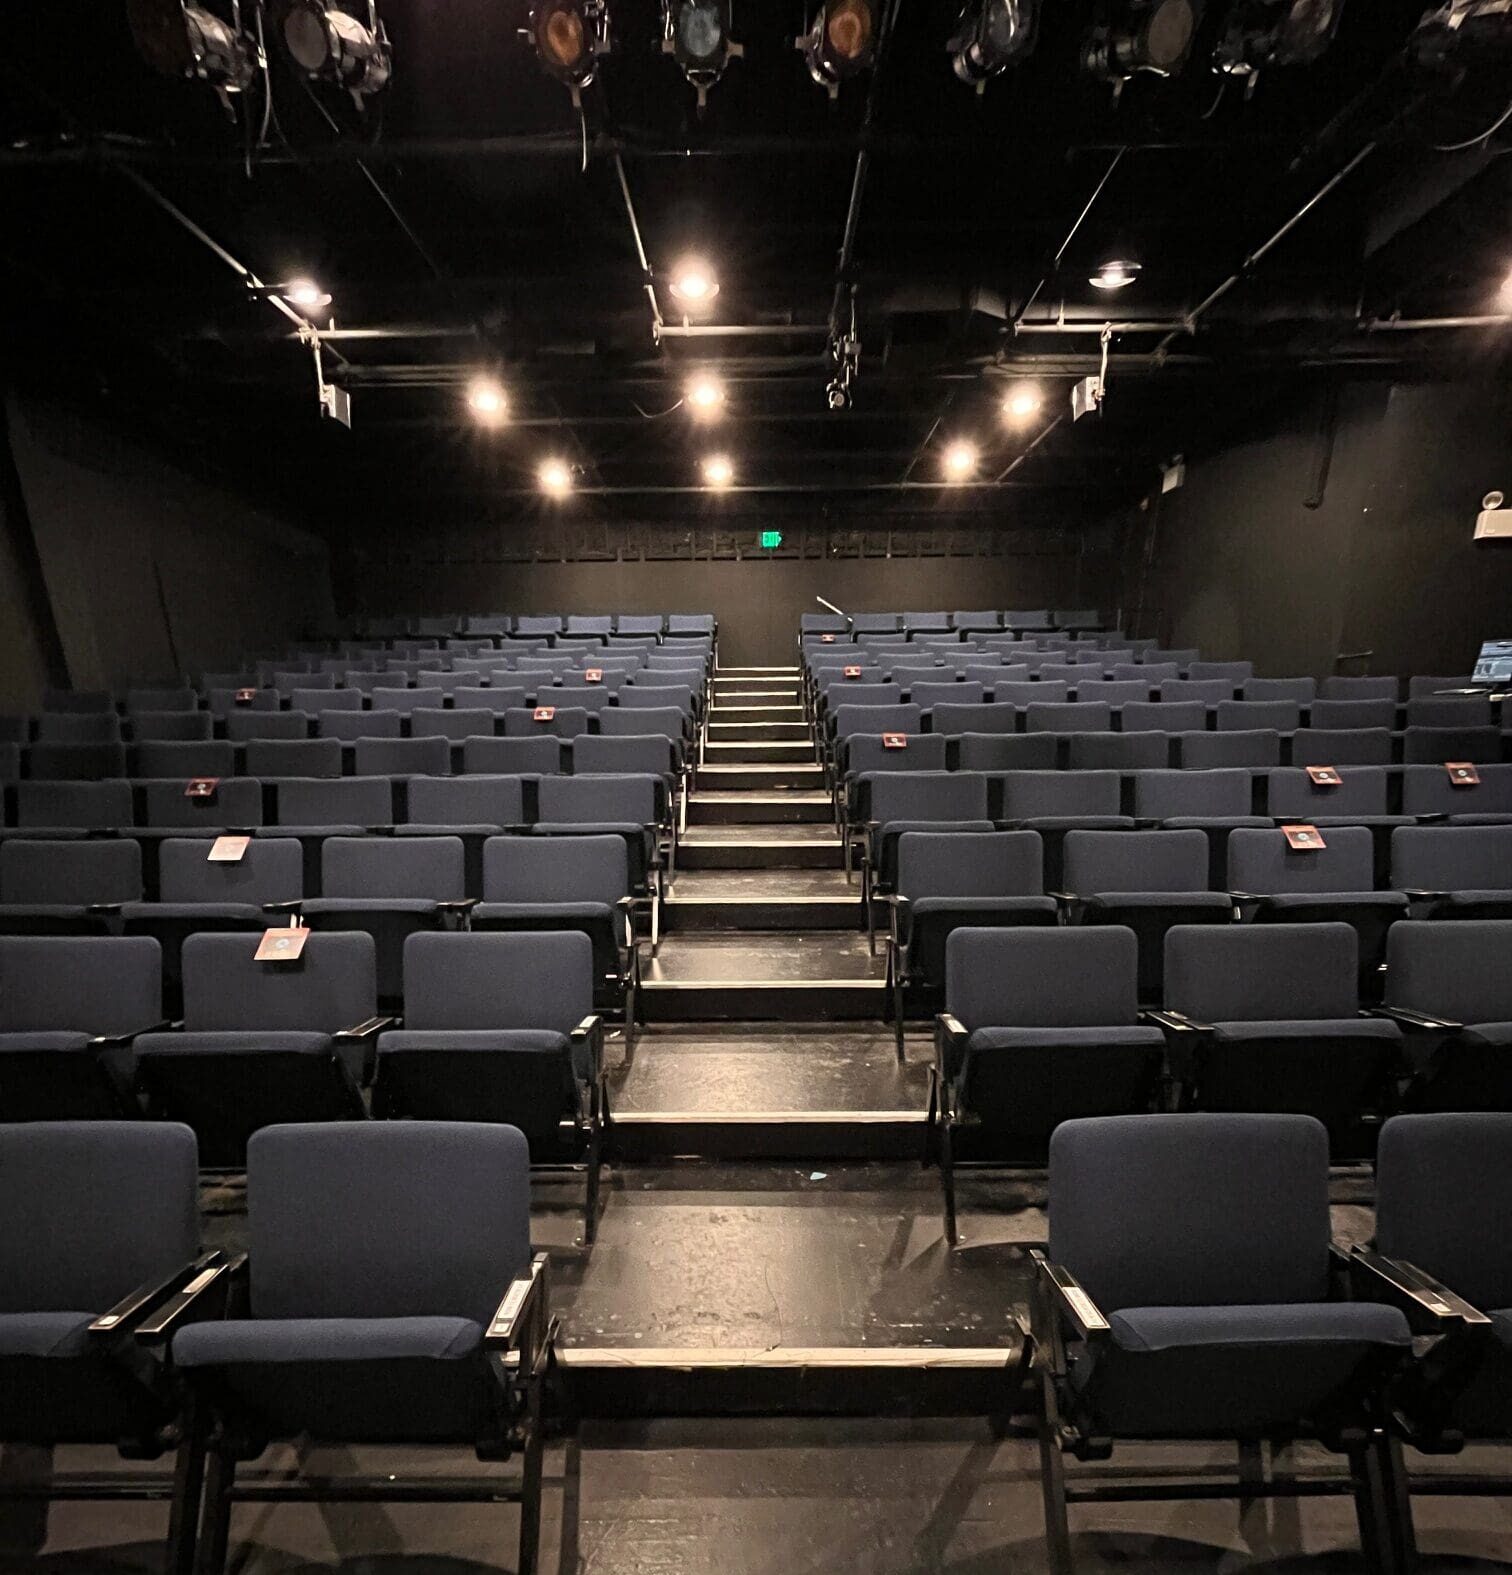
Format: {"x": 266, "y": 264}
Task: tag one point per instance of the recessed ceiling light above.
{"x": 1022, "y": 403}
{"x": 305, "y": 294}
{"x": 1114, "y": 274}
{"x": 704, "y": 394}
{"x": 718, "y": 471}
{"x": 959, "y": 460}
{"x": 555, "y": 478}
{"x": 486, "y": 400}
{"x": 694, "y": 284}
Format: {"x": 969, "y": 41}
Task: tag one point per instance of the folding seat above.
{"x": 263, "y": 1042}
{"x": 1345, "y": 688}
{"x": 629, "y": 754}
{"x": 314, "y": 808}
{"x": 1034, "y": 692}
{"x": 584, "y": 697}
{"x": 583, "y": 626}
{"x": 1040, "y": 1026}
{"x": 953, "y": 720}
{"x": 1146, "y": 881}
{"x": 928, "y": 695}
{"x": 854, "y": 692}
{"x": 315, "y": 701}
{"x": 862, "y": 753}
{"x": 457, "y": 725}
{"x": 849, "y": 719}
{"x": 947, "y": 880}
{"x": 822, "y": 623}
{"x": 1028, "y": 622}
{"x": 899, "y": 801}
{"x": 172, "y": 726}
{"x": 59, "y": 700}
{"x": 365, "y": 683}
{"x": 391, "y": 887}
{"x": 1111, "y": 692}
{"x": 976, "y": 621}
{"x": 233, "y": 681}
{"x": 79, "y": 727}
{"x": 547, "y": 719}
{"x": 10, "y": 764}
{"x": 1273, "y": 882}
{"x": 916, "y": 623}
{"x": 166, "y": 808}
{"x": 1227, "y": 1323}
{"x": 404, "y": 701}
{"x": 1353, "y": 713}
{"x": 292, "y": 757}
{"x": 1007, "y": 751}
{"x": 75, "y": 762}
{"x": 243, "y": 726}
{"x": 1349, "y": 746}
{"x": 1449, "y": 988}
{"x": 199, "y": 892}
{"x": 668, "y": 670}
{"x": 436, "y": 628}
{"x": 1231, "y": 716}
{"x": 1450, "y": 711}
{"x": 1424, "y": 687}
{"x": 70, "y": 1009}
{"x": 1359, "y": 798}
{"x": 1420, "y": 745}
{"x": 1465, "y": 799}
{"x": 645, "y": 623}
{"x": 633, "y": 807}
{"x": 544, "y": 664}
{"x": 1118, "y": 751}
{"x": 540, "y": 755}
{"x": 1055, "y": 802}
{"x": 1208, "y": 691}
{"x": 1454, "y": 872}
{"x": 65, "y": 807}
{"x": 643, "y": 694}
{"x": 1257, "y": 749}
{"x": 875, "y": 623}
{"x": 348, "y": 726}
{"x": 980, "y": 668}
{"x": 1150, "y": 674}
{"x": 497, "y": 697}
{"x": 696, "y": 625}
{"x": 1265, "y": 1017}
{"x": 1073, "y": 673}
{"x": 305, "y": 682}
{"x": 222, "y": 703}
{"x": 1235, "y": 674}
{"x": 66, "y": 888}
{"x": 489, "y": 626}
{"x": 208, "y": 758}
{"x": 1300, "y": 691}
{"x": 1068, "y": 717}
{"x": 402, "y": 757}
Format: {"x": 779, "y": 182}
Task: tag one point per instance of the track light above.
{"x": 568, "y": 37}
{"x": 1115, "y": 274}
{"x": 305, "y": 295}
{"x": 1141, "y": 35}
{"x": 1022, "y": 403}
{"x": 694, "y": 284}
{"x": 704, "y": 396}
{"x": 696, "y": 33}
{"x": 329, "y": 44}
{"x": 555, "y": 478}
{"x": 487, "y": 401}
{"x": 1263, "y": 33}
{"x": 840, "y": 43}
{"x": 959, "y": 460}
{"x": 182, "y": 40}
{"x": 718, "y": 472}
{"x": 1460, "y": 32}
{"x": 989, "y": 36}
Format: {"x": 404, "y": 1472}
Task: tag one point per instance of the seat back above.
{"x": 851, "y": 719}
{"x": 344, "y": 801}
{"x": 1168, "y": 716}
{"x": 236, "y": 801}
{"x": 90, "y": 806}
{"x": 171, "y": 725}
{"x": 538, "y": 755}
{"x": 1300, "y": 691}
{"x": 1206, "y": 691}
{"x": 245, "y": 724}
{"x": 1264, "y": 861}
{"x": 1262, "y": 972}
{"x": 1449, "y": 711}
{"x": 1451, "y": 858}
{"x": 1071, "y": 717}
{"x": 1027, "y": 794}
{"x": 1034, "y": 691}
{"x": 500, "y": 981}
{"x": 865, "y": 752}
{"x": 1430, "y": 790}
{"x": 332, "y": 985}
{"x": 1353, "y": 713}
{"x": 928, "y": 795}
{"x": 1006, "y": 751}
{"x": 1454, "y": 971}
{"x": 632, "y": 754}
{"x": 556, "y": 870}
{"x": 598, "y": 798}
{"x": 393, "y": 867}
{"x": 1292, "y": 795}
{"x": 380, "y": 757}
{"x": 271, "y": 870}
{"x": 1246, "y": 747}
{"x": 1119, "y": 751}
{"x": 952, "y": 720}
{"x": 1042, "y": 978}
{"x": 86, "y": 984}
{"x": 78, "y": 727}
{"x": 76, "y": 762}
{"x": 666, "y": 721}
{"x": 1135, "y": 861}
{"x": 1249, "y": 715}
{"x": 208, "y": 758}
{"x": 1344, "y": 688}
{"x": 115, "y": 1203}
{"x": 1115, "y": 692}
{"x": 349, "y": 726}
{"x": 1349, "y": 746}
{"x": 1192, "y": 1210}
{"x": 293, "y": 757}
{"x": 468, "y": 800}
{"x": 70, "y": 873}
{"x": 970, "y": 864}
{"x": 1420, "y": 745}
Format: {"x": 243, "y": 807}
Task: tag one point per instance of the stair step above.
{"x": 793, "y": 729}
{"x": 756, "y": 712}
{"x": 723, "y": 807}
{"x": 760, "y": 776}
{"x": 763, "y": 1000}
{"x": 792, "y": 847}
{"x": 758, "y": 749}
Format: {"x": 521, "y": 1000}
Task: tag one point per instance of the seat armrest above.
{"x": 1247, "y": 896}
{"x": 370, "y": 1028}
{"x": 1418, "y": 894}
{"x": 1430, "y": 1308}
{"x": 291, "y": 907}
{"x": 203, "y": 1297}
{"x": 120, "y": 1041}
{"x": 1176, "y": 1022}
{"x": 379, "y": 831}
{"x": 515, "y": 1315}
{"x": 1070, "y": 1301}
{"x": 948, "y": 1027}
{"x": 456, "y": 904}
{"x": 145, "y": 1299}
{"x": 591, "y": 1031}
{"x": 103, "y": 908}
{"x": 1407, "y": 1018}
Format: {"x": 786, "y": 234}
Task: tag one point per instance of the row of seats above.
{"x": 668, "y": 626}
{"x": 1043, "y": 1026}
{"x": 1043, "y": 619}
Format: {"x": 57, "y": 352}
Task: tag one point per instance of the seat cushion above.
{"x": 1307, "y": 1028}
{"x": 356, "y": 906}
{"x": 1216, "y": 901}
{"x": 1290, "y": 1323}
{"x": 56, "y": 1039}
{"x": 234, "y": 1042}
{"x": 970, "y": 907}
{"x": 53, "y": 1334}
{"x": 538, "y": 1041}
{"x": 1496, "y": 1035}
{"x": 192, "y": 912}
{"x": 1300, "y": 901}
{"x": 1061, "y": 1038}
{"x": 243, "y": 1341}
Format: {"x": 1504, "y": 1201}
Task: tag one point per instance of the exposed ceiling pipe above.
{"x": 648, "y": 279}
{"x": 1054, "y": 267}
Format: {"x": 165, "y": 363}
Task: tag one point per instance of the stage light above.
{"x": 1463, "y": 33}
{"x": 182, "y": 40}
{"x": 487, "y": 401}
{"x": 718, "y": 472}
{"x": 305, "y": 295}
{"x": 959, "y": 460}
{"x": 989, "y": 36}
{"x": 1115, "y": 274}
{"x": 1142, "y": 35}
{"x": 333, "y": 46}
{"x": 696, "y": 33}
{"x": 1022, "y": 403}
{"x": 840, "y": 43}
{"x": 1504, "y": 295}
{"x": 1262, "y": 33}
{"x": 568, "y": 37}
{"x": 694, "y": 284}
{"x": 704, "y": 395}
{"x": 555, "y": 478}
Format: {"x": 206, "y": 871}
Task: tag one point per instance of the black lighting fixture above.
{"x": 1259, "y": 34}
{"x": 841, "y": 42}
{"x": 696, "y": 33}
{"x": 569, "y": 37}
{"x": 183, "y": 40}
{"x": 1463, "y": 33}
{"x": 1130, "y": 36}
{"x": 331, "y": 45}
{"x": 989, "y": 36}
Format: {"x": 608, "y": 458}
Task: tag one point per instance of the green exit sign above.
{"x": 771, "y": 538}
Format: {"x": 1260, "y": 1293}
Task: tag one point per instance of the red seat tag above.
{"x": 1324, "y": 776}
{"x": 201, "y": 787}
{"x": 228, "y": 850}
{"x": 544, "y": 713}
{"x": 593, "y": 675}
{"x": 1462, "y": 773}
{"x": 245, "y": 696}
{"x": 281, "y": 945}
{"x": 1303, "y": 839}
{"x": 895, "y": 740}
{"x": 826, "y": 639}
{"x": 850, "y": 672}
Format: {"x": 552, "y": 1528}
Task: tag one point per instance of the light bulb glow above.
{"x": 305, "y": 294}
{"x": 487, "y": 402}
{"x": 718, "y": 471}
{"x": 704, "y": 394}
{"x": 555, "y": 478}
{"x": 694, "y": 283}
{"x": 959, "y": 461}
{"x": 1022, "y": 403}
{"x": 1504, "y": 295}
{"x": 1114, "y": 274}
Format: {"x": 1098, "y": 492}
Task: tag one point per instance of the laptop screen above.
{"x": 1494, "y": 664}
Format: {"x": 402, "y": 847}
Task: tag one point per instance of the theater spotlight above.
{"x": 182, "y": 40}
{"x": 694, "y": 284}
{"x": 841, "y": 42}
{"x": 718, "y": 472}
{"x": 486, "y": 400}
{"x": 1115, "y": 274}
{"x": 989, "y": 36}
{"x": 696, "y": 33}
{"x": 555, "y": 478}
{"x": 959, "y": 460}
{"x": 1141, "y": 35}
{"x": 1022, "y": 404}
{"x": 332, "y": 46}
{"x": 568, "y": 37}
{"x": 305, "y": 295}
{"x": 704, "y": 396}
{"x": 1263, "y": 33}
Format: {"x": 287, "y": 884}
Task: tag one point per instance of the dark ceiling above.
{"x": 457, "y": 228}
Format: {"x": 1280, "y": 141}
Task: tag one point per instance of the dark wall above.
{"x": 1343, "y": 524}
{"x": 149, "y": 571}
